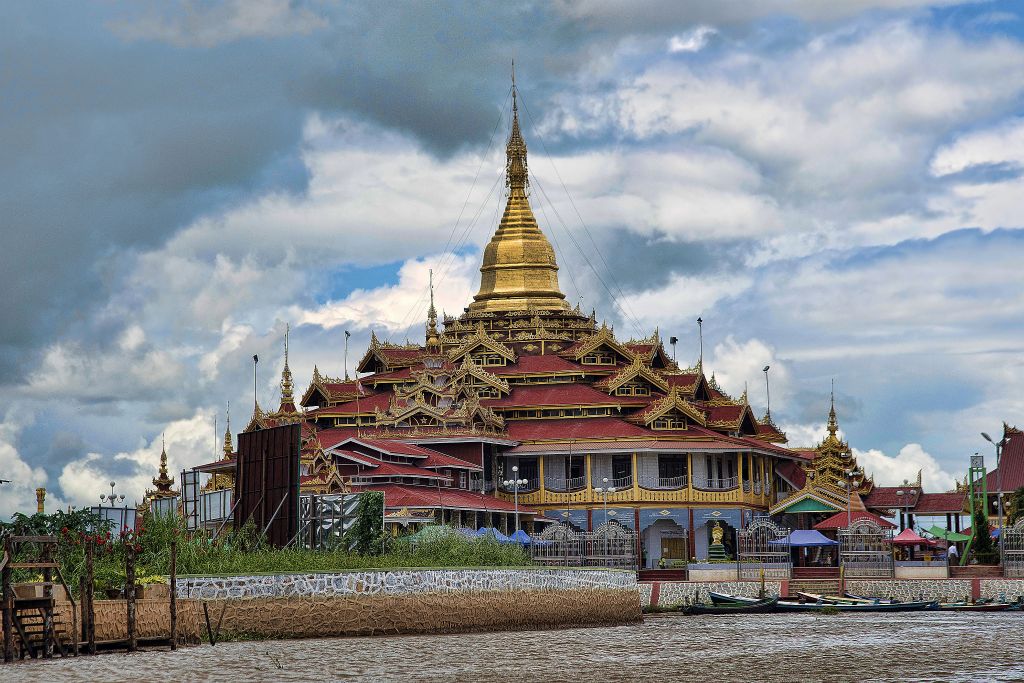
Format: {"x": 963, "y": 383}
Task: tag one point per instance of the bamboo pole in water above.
{"x": 129, "y": 594}
{"x": 174, "y": 594}
{"x": 90, "y": 587}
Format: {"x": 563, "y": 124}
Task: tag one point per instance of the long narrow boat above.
{"x": 968, "y": 607}
{"x": 725, "y": 600}
{"x": 755, "y": 607}
{"x": 787, "y": 606}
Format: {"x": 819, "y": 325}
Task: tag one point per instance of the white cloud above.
{"x": 19, "y": 494}
{"x": 401, "y": 308}
{"x": 187, "y": 23}
{"x": 189, "y": 442}
{"x": 739, "y": 364}
{"x": 694, "y": 40}
{"x": 904, "y": 466}
{"x": 1003, "y": 144}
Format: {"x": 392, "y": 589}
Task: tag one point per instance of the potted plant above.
{"x": 109, "y": 580}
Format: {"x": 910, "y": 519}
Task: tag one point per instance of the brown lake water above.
{"x": 847, "y": 647}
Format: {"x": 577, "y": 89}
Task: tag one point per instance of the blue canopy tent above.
{"x": 805, "y": 538}
{"x": 522, "y": 537}
{"x": 494, "y": 533}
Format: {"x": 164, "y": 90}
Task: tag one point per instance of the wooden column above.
{"x": 90, "y": 587}
{"x": 129, "y": 594}
{"x": 540, "y": 474}
{"x": 739, "y": 477}
{"x": 588, "y": 471}
{"x": 174, "y": 594}
{"x": 8, "y": 596}
{"x": 47, "y": 557}
{"x": 636, "y": 477}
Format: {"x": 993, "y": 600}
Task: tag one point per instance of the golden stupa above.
{"x": 519, "y": 270}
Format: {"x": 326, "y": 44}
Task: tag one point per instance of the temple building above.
{"x": 522, "y": 387}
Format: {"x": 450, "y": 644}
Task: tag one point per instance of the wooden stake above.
{"x": 90, "y": 595}
{"x": 129, "y": 593}
{"x": 174, "y": 594}
{"x": 47, "y": 557}
{"x": 8, "y": 621}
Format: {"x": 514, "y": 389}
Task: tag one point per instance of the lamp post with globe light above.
{"x": 514, "y": 484}
{"x": 604, "y": 492}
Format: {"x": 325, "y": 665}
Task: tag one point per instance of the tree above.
{"x": 367, "y": 531}
{"x": 982, "y": 546}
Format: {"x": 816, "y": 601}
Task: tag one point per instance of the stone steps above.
{"x": 817, "y": 586}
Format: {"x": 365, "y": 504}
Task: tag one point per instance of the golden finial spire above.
{"x": 833, "y": 424}
{"x": 228, "y": 448}
{"x": 432, "y": 340}
{"x": 516, "y": 174}
{"x": 286, "y": 374}
{"x": 163, "y": 482}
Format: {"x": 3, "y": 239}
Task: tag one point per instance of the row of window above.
{"x": 557, "y": 412}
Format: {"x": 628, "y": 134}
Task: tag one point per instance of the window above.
{"x": 633, "y": 390}
{"x": 670, "y": 466}
{"x": 622, "y": 466}
{"x": 462, "y": 479}
{"x": 669, "y": 422}
{"x": 597, "y": 358}
{"x": 527, "y": 469}
{"x": 574, "y": 466}
{"x": 488, "y": 359}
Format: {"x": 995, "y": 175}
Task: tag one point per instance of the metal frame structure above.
{"x": 324, "y": 519}
{"x": 761, "y": 550}
{"x": 609, "y": 545}
{"x": 1012, "y": 543}
{"x": 865, "y": 550}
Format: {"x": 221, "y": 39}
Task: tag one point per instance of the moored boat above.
{"x": 975, "y": 607}
{"x": 789, "y": 606}
{"x": 755, "y": 607}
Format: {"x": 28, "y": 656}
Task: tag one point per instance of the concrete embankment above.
{"x": 414, "y": 601}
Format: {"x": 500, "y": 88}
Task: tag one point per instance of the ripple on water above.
{"x": 803, "y": 647}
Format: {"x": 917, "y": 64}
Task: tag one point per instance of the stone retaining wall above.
{"x": 949, "y": 590}
{"x": 402, "y": 582}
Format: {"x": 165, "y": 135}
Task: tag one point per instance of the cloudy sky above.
{"x": 835, "y": 188}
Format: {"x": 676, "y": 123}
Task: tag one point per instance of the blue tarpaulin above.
{"x": 805, "y": 538}
{"x": 521, "y": 537}
{"x": 491, "y": 531}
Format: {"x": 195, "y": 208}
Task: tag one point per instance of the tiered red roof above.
{"x": 403, "y": 496}
{"x": 560, "y": 395}
{"x": 941, "y": 503}
{"x": 1011, "y": 463}
{"x": 884, "y": 497}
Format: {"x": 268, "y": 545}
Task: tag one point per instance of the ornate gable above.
{"x": 493, "y": 351}
{"x": 600, "y": 348}
{"x": 668, "y": 412}
{"x": 627, "y": 381}
{"x": 470, "y": 378}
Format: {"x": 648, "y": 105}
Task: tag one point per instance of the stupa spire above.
{"x": 519, "y": 269}
{"x": 833, "y": 423}
{"x": 229, "y": 449}
{"x": 431, "y": 336}
{"x": 163, "y": 482}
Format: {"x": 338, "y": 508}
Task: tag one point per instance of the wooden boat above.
{"x": 868, "y": 601}
{"x": 976, "y": 607}
{"x": 790, "y": 606}
{"x": 726, "y": 599}
{"x": 755, "y": 607}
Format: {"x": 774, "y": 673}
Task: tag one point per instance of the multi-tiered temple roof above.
{"x": 519, "y": 371}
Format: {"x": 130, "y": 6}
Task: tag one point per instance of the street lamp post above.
{"x": 604, "y": 492}
{"x": 767, "y": 392}
{"x": 999, "y": 479}
{"x": 847, "y": 483}
{"x": 514, "y": 484}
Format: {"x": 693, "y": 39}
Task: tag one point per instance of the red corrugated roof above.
{"x": 791, "y": 472}
{"x": 363, "y": 405}
{"x": 1011, "y": 463}
{"x": 402, "y": 496}
{"x": 392, "y": 469}
{"x": 940, "y": 503}
{"x": 568, "y": 429}
{"x": 884, "y": 497}
{"x": 536, "y": 364}
{"x": 560, "y": 395}
{"x": 839, "y": 520}
{"x": 437, "y": 460}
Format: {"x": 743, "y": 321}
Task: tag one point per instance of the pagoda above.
{"x": 521, "y": 383}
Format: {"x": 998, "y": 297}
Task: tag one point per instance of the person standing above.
{"x": 952, "y": 554}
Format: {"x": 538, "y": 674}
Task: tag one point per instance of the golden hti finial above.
{"x": 163, "y": 482}
{"x": 286, "y": 375}
{"x": 516, "y": 173}
{"x": 228, "y": 448}
{"x": 40, "y": 500}
{"x": 833, "y": 423}
{"x": 432, "y": 338}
